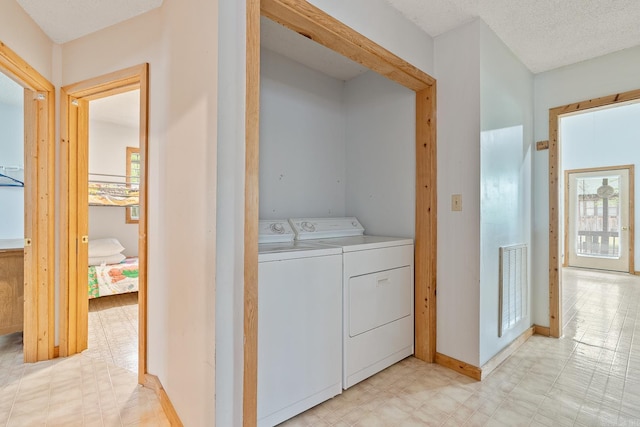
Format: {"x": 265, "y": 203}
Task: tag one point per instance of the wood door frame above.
{"x": 555, "y": 281}
{"x": 73, "y": 296}
{"x": 39, "y": 197}
{"x": 630, "y": 169}
{"x": 315, "y": 24}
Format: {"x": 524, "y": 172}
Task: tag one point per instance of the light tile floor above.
{"x": 82, "y": 390}
{"x": 113, "y": 330}
{"x": 590, "y": 377}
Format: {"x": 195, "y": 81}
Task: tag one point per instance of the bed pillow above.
{"x": 104, "y": 247}
{"x": 111, "y": 259}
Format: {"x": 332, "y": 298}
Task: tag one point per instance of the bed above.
{"x": 112, "y": 190}
{"x": 112, "y": 279}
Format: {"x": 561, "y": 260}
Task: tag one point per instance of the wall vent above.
{"x": 514, "y": 287}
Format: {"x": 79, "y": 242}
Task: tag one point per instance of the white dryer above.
{"x": 378, "y": 294}
{"x": 299, "y": 324}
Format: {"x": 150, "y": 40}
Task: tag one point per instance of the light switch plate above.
{"x": 456, "y": 202}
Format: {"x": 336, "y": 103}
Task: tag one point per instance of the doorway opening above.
{"x": 27, "y": 191}
{"x": 12, "y": 231}
{"x": 113, "y": 271}
{"x": 596, "y": 148}
{"x": 104, "y": 134}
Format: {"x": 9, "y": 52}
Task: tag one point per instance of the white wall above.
{"x": 302, "y": 141}
{"x": 381, "y": 155}
{"x": 330, "y": 148}
{"x": 230, "y": 213}
{"x": 607, "y": 137}
{"x": 457, "y": 65}
{"x": 606, "y": 75}
{"x": 179, "y": 42}
{"x": 12, "y": 154}
{"x": 485, "y": 118}
{"x": 506, "y": 88}
{"x": 108, "y": 144}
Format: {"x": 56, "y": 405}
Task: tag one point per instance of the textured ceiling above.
{"x": 544, "y": 34}
{"x": 66, "y": 20}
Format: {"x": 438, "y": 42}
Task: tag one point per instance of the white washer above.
{"x": 378, "y": 309}
{"x": 299, "y": 324}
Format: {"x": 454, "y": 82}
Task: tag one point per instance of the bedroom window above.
{"x": 133, "y": 178}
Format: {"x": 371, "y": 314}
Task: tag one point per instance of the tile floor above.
{"x": 113, "y": 330}
{"x": 87, "y": 389}
{"x": 590, "y": 377}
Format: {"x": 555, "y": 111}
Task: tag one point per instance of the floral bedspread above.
{"x": 111, "y": 279}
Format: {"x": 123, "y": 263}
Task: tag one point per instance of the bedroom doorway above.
{"x": 114, "y": 180}
{"x": 104, "y": 134}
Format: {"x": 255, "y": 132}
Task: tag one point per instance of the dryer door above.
{"x": 379, "y": 298}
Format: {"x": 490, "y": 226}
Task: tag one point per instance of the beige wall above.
{"x": 179, "y": 41}
{"x": 23, "y": 36}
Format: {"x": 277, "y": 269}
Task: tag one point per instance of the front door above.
{"x": 598, "y": 218}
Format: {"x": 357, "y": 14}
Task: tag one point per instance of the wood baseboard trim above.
{"x": 56, "y": 352}
{"x": 503, "y": 354}
{"x": 637, "y": 273}
{"x": 153, "y": 382}
{"x": 459, "y": 366}
{"x": 542, "y": 330}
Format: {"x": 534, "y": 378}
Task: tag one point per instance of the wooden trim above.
{"x": 541, "y": 330}
{"x": 31, "y": 332}
{"x": 542, "y": 145}
{"x": 251, "y": 216}
{"x": 315, "y": 24}
{"x": 143, "y": 273}
{"x": 459, "y": 366}
{"x": 20, "y": 71}
{"x": 426, "y": 225}
{"x": 503, "y": 354}
{"x": 73, "y": 214}
{"x": 555, "y": 297}
{"x": 108, "y": 84}
{"x": 555, "y": 285}
{"x": 39, "y": 133}
{"x": 81, "y": 266}
{"x": 152, "y": 382}
{"x": 565, "y": 236}
{"x": 306, "y": 19}
{"x": 632, "y": 221}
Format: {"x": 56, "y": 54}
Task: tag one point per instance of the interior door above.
{"x": 598, "y": 219}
